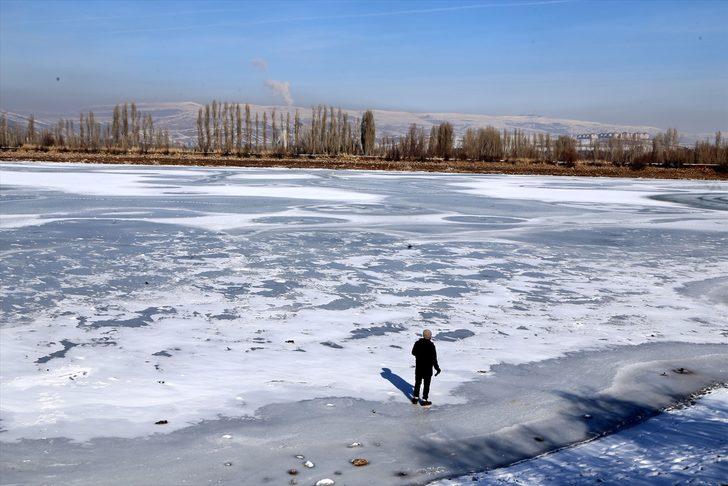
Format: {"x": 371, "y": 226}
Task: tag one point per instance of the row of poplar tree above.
{"x": 229, "y": 128}
{"x": 129, "y": 129}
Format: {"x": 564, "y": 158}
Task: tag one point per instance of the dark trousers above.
{"x": 418, "y": 380}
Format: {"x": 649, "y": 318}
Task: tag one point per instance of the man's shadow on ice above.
{"x": 398, "y": 382}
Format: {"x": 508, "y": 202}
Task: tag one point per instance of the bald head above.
{"x": 427, "y": 334}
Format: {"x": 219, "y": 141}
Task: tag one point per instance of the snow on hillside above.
{"x": 180, "y": 118}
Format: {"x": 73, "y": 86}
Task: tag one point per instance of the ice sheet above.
{"x": 182, "y": 306}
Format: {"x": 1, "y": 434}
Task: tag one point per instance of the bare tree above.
{"x": 238, "y": 129}
{"x": 288, "y": 130}
{"x": 134, "y": 125}
{"x": 200, "y": 131}
{"x": 565, "y": 149}
{"x": 265, "y": 130}
{"x": 297, "y": 131}
{"x": 445, "y": 140}
{"x": 116, "y": 125}
{"x": 125, "y": 126}
{"x": 257, "y": 132}
{"x": 368, "y": 132}
{"x": 30, "y": 133}
{"x": 248, "y": 130}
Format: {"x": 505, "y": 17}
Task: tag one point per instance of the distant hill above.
{"x": 180, "y": 119}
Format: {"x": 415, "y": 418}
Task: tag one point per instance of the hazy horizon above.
{"x": 655, "y": 63}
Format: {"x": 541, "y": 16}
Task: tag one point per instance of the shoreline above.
{"x": 680, "y": 403}
{"x": 558, "y": 458}
{"x": 520, "y": 167}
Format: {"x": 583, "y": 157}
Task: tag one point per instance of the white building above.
{"x": 586, "y": 141}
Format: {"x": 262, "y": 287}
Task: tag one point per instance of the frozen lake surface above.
{"x": 135, "y": 294}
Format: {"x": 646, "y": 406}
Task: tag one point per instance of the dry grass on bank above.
{"x": 522, "y": 167}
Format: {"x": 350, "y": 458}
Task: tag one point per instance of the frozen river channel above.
{"x": 205, "y": 296}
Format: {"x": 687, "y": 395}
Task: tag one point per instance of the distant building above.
{"x": 586, "y": 141}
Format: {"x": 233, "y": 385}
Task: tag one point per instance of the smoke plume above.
{"x": 281, "y": 88}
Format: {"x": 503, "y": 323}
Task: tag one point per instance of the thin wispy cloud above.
{"x": 124, "y": 17}
{"x": 391, "y": 13}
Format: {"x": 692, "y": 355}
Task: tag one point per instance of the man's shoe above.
{"x": 426, "y": 403}
{"x": 415, "y": 400}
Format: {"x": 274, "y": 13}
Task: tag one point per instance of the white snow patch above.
{"x": 565, "y": 190}
{"x": 148, "y": 183}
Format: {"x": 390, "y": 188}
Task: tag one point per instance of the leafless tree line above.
{"x": 232, "y": 129}
{"x": 229, "y": 128}
{"x": 477, "y": 144}
{"x": 489, "y": 145}
{"x": 129, "y": 130}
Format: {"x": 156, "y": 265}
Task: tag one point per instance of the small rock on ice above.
{"x": 354, "y": 444}
{"x": 227, "y": 436}
{"x": 308, "y": 464}
{"x": 325, "y": 482}
{"x": 359, "y": 461}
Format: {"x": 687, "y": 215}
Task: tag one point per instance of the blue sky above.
{"x": 661, "y": 63}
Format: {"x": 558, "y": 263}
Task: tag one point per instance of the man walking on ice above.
{"x": 425, "y": 359}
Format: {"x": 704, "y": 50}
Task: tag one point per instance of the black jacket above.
{"x": 426, "y": 357}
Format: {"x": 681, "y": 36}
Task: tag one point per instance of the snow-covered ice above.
{"x": 682, "y": 446}
{"x": 177, "y": 291}
{"x": 132, "y": 294}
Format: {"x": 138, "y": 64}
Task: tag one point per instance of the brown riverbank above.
{"x": 521, "y": 167}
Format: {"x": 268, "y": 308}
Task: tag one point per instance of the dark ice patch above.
{"x": 708, "y": 200}
{"x": 370, "y": 209}
{"x": 58, "y": 354}
{"x": 539, "y": 275}
{"x": 348, "y": 288}
{"x": 495, "y": 221}
{"x": 276, "y": 289}
{"x": 231, "y": 292}
{"x": 491, "y": 274}
{"x": 342, "y": 303}
{"x": 162, "y": 353}
{"x": 455, "y": 335}
{"x": 332, "y": 344}
{"x": 298, "y": 220}
{"x": 622, "y": 319}
{"x": 429, "y": 315}
{"x": 366, "y": 332}
{"x": 445, "y": 291}
{"x": 144, "y": 318}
